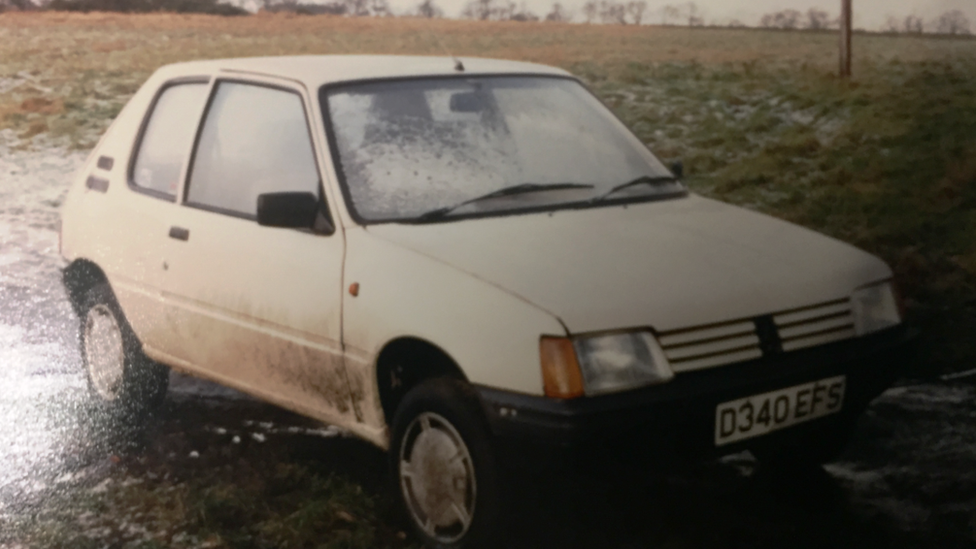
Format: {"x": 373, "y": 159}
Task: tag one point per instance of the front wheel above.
{"x": 445, "y": 470}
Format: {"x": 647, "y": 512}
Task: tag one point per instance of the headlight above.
{"x": 875, "y": 308}
{"x": 602, "y": 364}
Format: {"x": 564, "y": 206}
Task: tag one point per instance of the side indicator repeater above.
{"x": 354, "y": 289}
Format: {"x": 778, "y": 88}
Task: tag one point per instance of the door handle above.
{"x": 179, "y": 233}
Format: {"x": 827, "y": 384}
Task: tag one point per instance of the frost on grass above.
{"x": 33, "y": 185}
{"x": 40, "y": 379}
{"x": 913, "y": 460}
{"x": 40, "y": 108}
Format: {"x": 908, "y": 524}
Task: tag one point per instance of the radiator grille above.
{"x": 715, "y": 345}
{"x": 693, "y": 349}
{"x": 815, "y": 325}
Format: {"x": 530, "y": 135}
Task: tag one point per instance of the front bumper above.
{"x": 679, "y": 417}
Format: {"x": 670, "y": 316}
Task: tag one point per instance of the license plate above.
{"x": 761, "y": 414}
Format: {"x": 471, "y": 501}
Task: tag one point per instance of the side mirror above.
{"x": 293, "y": 209}
{"x": 678, "y": 169}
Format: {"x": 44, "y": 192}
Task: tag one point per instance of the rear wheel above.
{"x": 444, "y": 466}
{"x": 121, "y": 379}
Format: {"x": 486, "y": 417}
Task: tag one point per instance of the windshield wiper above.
{"x": 522, "y": 188}
{"x": 642, "y": 180}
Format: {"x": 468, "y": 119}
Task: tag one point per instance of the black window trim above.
{"x": 323, "y": 96}
{"x": 323, "y": 203}
{"x": 141, "y": 134}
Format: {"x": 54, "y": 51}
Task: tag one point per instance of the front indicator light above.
{"x": 560, "y": 369}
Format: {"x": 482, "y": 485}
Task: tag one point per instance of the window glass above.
{"x": 255, "y": 140}
{"x": 407, "y": 148}
{"x": 167, "y": 138}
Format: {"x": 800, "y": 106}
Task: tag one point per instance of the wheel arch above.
{"x": 406, "y": 361}
{"x": 78, "y": 277}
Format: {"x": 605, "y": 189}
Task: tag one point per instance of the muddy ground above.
{"x": 908, "y": 479}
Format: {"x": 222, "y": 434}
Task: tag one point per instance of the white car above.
{"x": 445, "y": 256}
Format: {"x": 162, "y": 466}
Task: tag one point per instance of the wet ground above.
{"x": 908, "y": 480}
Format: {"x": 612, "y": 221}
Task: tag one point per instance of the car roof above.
{"x": 317, "y": 70}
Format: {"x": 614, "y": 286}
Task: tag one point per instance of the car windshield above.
{"x": 445, "y": 146}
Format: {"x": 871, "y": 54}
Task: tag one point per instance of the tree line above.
{"x": 216, "y": 7}
{"x": 813, "y": 19}
{"x": 951, "y": 22}
{"x": 610, "y": 12}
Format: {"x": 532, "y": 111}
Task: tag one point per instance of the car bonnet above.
{"x": 666, "y": 265}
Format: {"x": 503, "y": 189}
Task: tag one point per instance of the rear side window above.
{"x": 167, "y": 137}
{"x": 255, "y": 140}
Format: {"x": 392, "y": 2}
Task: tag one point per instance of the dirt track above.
{"x": 908, "y": 480}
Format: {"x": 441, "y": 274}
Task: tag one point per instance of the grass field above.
{"x": 886, "y": 161}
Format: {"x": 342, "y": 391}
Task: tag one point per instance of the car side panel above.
{"x": 259, "y": 305}
{"x": 106, "y": 222}
{"x": 491, "y": 334}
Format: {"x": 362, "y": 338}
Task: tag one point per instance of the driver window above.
{"x": 255, "y": 140}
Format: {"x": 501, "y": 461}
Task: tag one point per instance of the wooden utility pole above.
{"x": 845, "y": 39}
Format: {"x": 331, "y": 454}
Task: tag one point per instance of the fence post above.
{"x": 845, "y": 38}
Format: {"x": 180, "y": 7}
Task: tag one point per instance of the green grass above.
{"x": 887, "y": 162}
{"x": 261, "y": 499}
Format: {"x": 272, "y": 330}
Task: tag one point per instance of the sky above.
{"x": 868, "y": 14}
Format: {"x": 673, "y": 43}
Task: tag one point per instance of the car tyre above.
{"x": 122, "y": 381}
{"x": 444, "y": 468}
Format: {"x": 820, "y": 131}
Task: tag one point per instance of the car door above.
{"x": 137, "y": 222}
{"x": 257, "y": 307}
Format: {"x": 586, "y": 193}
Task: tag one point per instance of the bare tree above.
{"x": 636, "y": 9}
{"x": 786, "y": 19}
{"x": 952, "y": 22}
{"x": 612, "y": 12}
{"x": 670, "y": 14}
{"x": 380, "y": 8}
{"x": 735, "y": 24}
{"x": 695, "y": 16}
{"x": 20, "y": 5}
{"x": 590, "y": 11}
{"x": 357, "y": 8}
{"x": 497, "y": 10}
{"x": 676, "y": 14}
{"x": 817, "y": 19}
{"x": 913, "y": 24}
{"x": 789, "y": 19}
{"x": 558, "y": 14}
{"x": 287, "y": 6}
{"x": 892, "y": 24}
{"x": 504, "y": 10}
{"x": 428, "y": 9}
{"x": 522, "y": 13}
{"x": 480, "y": 10}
